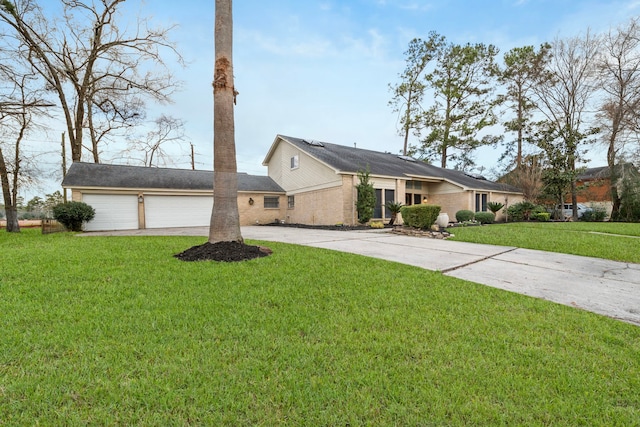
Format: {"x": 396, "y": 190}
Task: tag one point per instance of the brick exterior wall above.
{"x": 594, "y": 191}
{"x": 318, "y": 207}
{"x": 256, "y": 213}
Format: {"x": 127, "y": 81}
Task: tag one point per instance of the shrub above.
{"x": 495, "y": 206}
{"x": 394, "y": 208}
{"x": 524, "y": 211}
{"x": 376, "y": 224}
{"x": 594, "y": 214}
{"x": 73, "y": 214}
{"x": 464, "y": 215}
{"x": 420, "y": 216}
{"x": 543, "y": 216}
{"x": 366, "y": 197}
{"x": 485, "y": 217}
{"x": 629, "y": 201}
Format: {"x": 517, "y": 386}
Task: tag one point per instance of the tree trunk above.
{"x": 613, "y": 179}
{"x": 225, "y": 217}
{"x": 13, "y": 226}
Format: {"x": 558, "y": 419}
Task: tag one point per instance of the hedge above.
{"x": 420, "y": 216}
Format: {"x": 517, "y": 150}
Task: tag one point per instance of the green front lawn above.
{"x": 614, "y": 241}
{"x": 115, "y": 331}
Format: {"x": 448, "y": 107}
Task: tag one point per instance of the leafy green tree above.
{"x": 522, "y": 69}
{"x": 559, "y": 172}
{"x": 409, "y": 93}
{"x": 463, "y": 84}
{"x": 629, "y": 200}
{"x": 366, "y": 197}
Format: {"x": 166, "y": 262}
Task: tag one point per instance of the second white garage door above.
{"x": 177, "y": 211}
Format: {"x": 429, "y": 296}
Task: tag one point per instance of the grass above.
{"x": 115, "y": 331}
{"x": 614, "y": 241}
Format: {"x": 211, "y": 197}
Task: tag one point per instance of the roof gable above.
{"x": 99, "y": 175}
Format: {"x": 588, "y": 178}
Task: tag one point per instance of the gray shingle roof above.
{"x": 136, "y": 177}
{"x": 595, "y": 173}
{"x": 351, "y": 160}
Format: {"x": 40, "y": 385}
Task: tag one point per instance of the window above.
{"x": 415, "y": 185}
{"x": 295, "y": 162}
{"x": 377, "y": 209}
{"x": 271, "y": 202}
{"x": 481, "y": 202}
{"x": 416, "y": 191}
{"x": 291, "y": 201}
{"x": 389, "y": 196}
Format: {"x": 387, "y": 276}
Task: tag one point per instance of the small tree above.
{"x": 366, "y": 197}
{"x": 73, "y": 214}
{"x": 495, "y": 207}
{"x": 629, "y": 201}
{"x": 394, "y": 208}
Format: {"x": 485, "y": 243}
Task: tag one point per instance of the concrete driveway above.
{"x": 606, "y": 287}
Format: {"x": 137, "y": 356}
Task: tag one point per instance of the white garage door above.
{"x": 113, "y": 212}
{"x": 177, "y": 211}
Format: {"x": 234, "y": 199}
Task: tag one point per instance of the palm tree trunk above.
{"x": 225, "y": 218}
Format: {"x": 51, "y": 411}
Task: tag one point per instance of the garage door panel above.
{"x": 177, "y": 211}
{"x": 113, "y": 212}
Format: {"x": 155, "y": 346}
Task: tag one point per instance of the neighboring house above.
{"x": 133, "y": 197}
{"x": 320, "y": 182}
{"x": 594, "y": 188}
{"x": 594, "y": 185}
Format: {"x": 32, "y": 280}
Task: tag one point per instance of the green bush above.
{"x": 629, "y": 200}
{"x": 73, "y": 214}
{"x": 464, "y": 215}
{"x": 594, "y": 214}
{"x": 485, "y": 217}
{"x": 420, "y": 216}
{"x": 366, "y": 197}
{"x": 543, "y": 216}
{"x": 495, "y": 206}
{"x": 524, "y": 211}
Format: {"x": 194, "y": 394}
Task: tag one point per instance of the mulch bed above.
{"x": 223, "y": 251}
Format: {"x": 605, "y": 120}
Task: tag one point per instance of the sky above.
{"x": 321, "y": 69}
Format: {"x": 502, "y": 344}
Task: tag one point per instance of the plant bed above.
{"x": 433, "y": 234}
{"x": 223, "y": 251}
{"x": 338, "y": 227}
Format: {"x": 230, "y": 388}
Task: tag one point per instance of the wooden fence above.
{"x": 52, "y": 226}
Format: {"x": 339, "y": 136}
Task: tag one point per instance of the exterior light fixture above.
{"x": 140, "y": 198}
{"x": 251, "y": 201}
